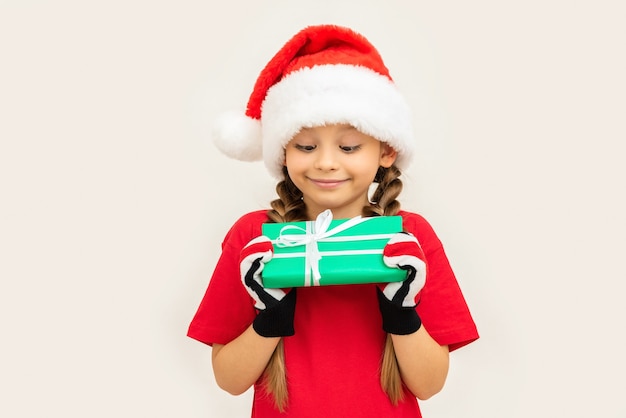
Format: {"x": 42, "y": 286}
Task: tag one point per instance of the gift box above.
{"x": 330, "y": 252}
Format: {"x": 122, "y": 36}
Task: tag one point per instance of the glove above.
{"x": 397, "y": 300}
{"x": 276, "y": 307}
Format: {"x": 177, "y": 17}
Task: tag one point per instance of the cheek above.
{"x": 370, "y": 170}
{"x": 369, "y": 164}
{"x": 294, "y": 161}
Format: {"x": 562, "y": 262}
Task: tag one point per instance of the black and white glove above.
{"x": 275, "y": 307}
{"x": 397, "y": 300}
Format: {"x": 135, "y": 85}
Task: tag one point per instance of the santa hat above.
{"x": 323, "y": 75}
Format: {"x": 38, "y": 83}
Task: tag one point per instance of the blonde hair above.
{"x": 289, "y": 207}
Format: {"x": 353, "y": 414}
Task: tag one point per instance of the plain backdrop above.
{"x": 114, "y": 203}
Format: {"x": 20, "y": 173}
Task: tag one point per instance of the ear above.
{"x": 388, "y": 155}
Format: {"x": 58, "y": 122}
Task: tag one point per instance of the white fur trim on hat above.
{"x": 335, "y": 93}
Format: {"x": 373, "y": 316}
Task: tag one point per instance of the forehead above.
{"x": 334, "y": 129}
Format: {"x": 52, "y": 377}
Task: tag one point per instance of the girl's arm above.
{"x": 423, "y": 363}
{"x": 240, "y": 363}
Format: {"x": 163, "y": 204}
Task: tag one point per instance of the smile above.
{"x": 327, "y": 183}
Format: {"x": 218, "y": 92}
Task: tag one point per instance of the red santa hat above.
{"x": 323, "y": 75}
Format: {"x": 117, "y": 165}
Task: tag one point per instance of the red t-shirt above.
{"x": 333, "y": 359}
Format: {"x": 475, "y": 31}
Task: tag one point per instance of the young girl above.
{"x": 328, "y": 121}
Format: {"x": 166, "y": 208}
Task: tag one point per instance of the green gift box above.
{"x": 330, "y": 252}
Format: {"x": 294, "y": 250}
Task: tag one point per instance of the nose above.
{"x": 326, "y": 159}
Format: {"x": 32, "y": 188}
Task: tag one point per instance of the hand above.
{"x": 397, "y": 300}
{"x": 276, "y": 307}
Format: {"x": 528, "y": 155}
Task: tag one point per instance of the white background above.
{"x": 113, "y": 202}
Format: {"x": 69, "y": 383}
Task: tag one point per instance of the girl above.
{"x": 328, "y": 121}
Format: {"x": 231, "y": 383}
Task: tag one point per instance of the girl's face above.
{"x": 334, "y": 166}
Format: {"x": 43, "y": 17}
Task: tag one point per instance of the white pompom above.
{"x": 238, "y": 136}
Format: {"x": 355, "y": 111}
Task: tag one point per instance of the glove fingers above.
{"x": 389, "y": 290}
{"x": 259, "y": 245}
{"x": 401, "y": 246}
{"x": 269, "y": 297}
{"x": 265, "y": 298}
{"x": 276, "y": 308}
{"x": 404, "y": 252}
{"x": 403, "y": 294}
{"x": 253, "y": 258}
{"x": 403, "y": 297}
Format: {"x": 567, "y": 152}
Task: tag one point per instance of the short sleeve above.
{"x": 226, "y": 309}
{"x": 442, "y": 306}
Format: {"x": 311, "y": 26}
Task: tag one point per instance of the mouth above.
{"x": 327, "y": 183}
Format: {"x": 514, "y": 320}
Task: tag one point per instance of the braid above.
{"x": 289, "y": 207}
{"x": 384, "y": 201}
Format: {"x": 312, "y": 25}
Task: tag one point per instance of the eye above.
{"x": 305, "y": 148}
{"x": 350, "y": 148}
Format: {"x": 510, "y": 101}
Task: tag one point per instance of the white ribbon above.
{"x": 314, "y": 232}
